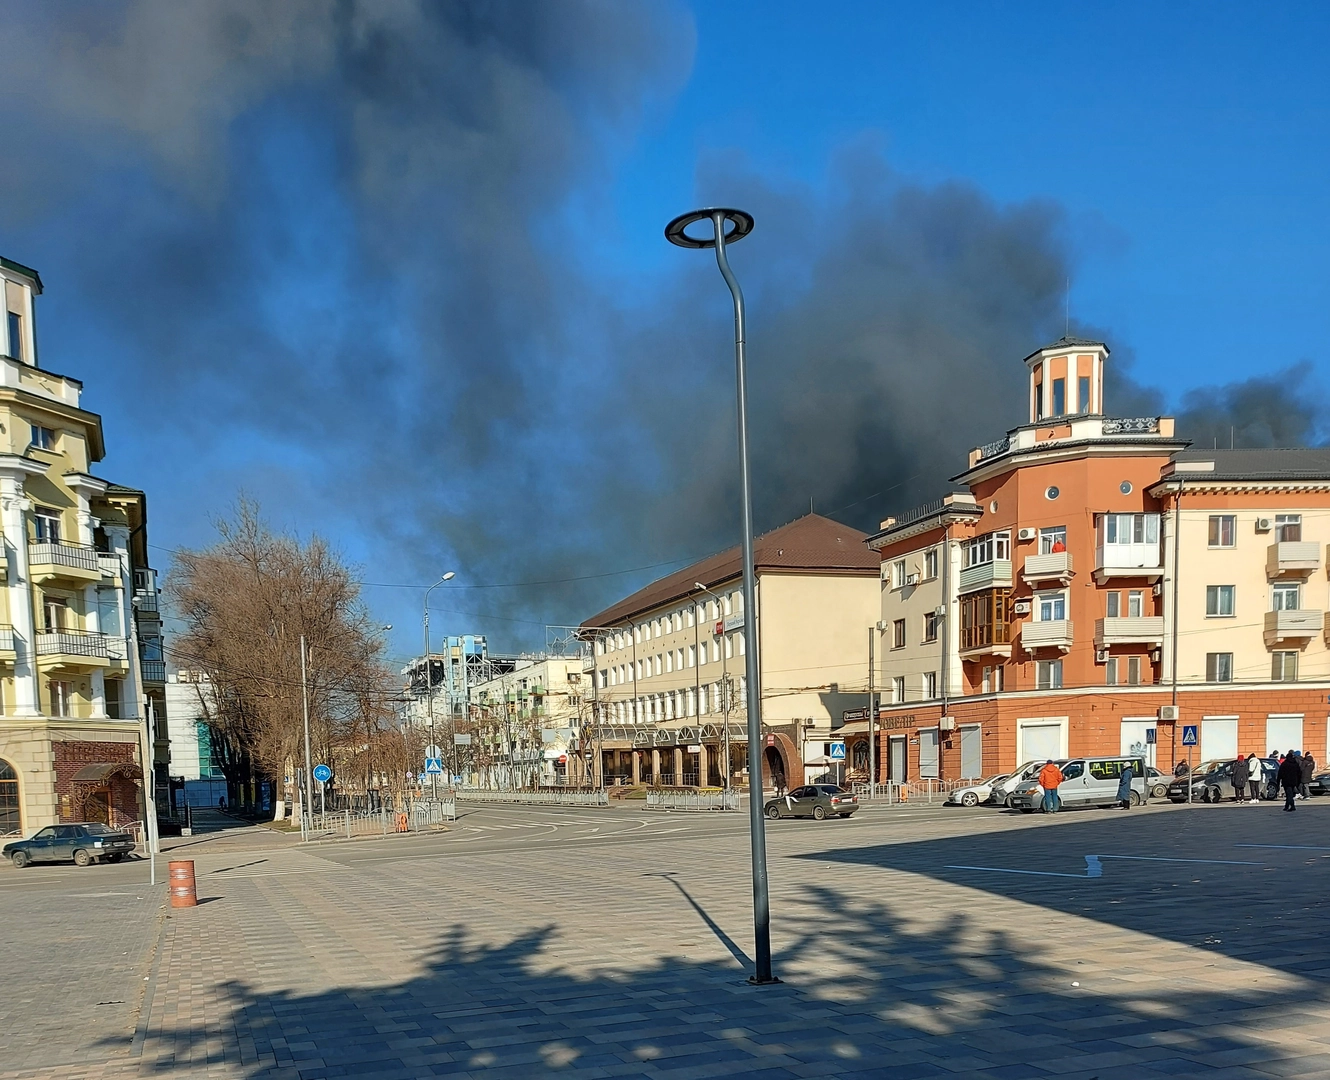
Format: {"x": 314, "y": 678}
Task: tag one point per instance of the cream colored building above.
{"x": 79, "y": 630}
{"x": 669, "y": 660}
{"x": 526, "y": 726}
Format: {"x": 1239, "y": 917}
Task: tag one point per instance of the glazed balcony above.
{"x": 1129, "y": 630}
{"x": 1292, "y": 557}
{"x": 74, "y": 562}
{"x": 1297, "y": 625}
{"x": 1142, "y": 560}
{"x": 1055, "y": 566}
{"x": 996, "y": 574}
{"x": 1050, "y": 634}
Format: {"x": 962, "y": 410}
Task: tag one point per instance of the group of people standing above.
{"x": 1292, "y": 773}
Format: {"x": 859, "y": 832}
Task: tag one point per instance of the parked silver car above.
{"x": 974, "y": 794}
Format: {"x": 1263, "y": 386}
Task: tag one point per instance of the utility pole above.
{"x": 429, "y": 679}
{"x": 306, "y": 803}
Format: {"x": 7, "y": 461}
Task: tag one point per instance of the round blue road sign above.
{"x": 322, "y": 773}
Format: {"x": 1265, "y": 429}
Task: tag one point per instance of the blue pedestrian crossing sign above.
{"x": 837, "y": 751}
{"x": 322, "y": 773}
{"x": 433, "y": 766}
{"x": 1188, "y": 734}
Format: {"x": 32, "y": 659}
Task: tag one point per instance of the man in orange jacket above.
{"x": 1050, "y": 776}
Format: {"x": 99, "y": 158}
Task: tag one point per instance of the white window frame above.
{"x": 1054, "y": 670}
{"x": 1053, "y": 597}
{"x": 1050, "y": 536}
{"x": 1279, "y": 593}
{"x": 1222, "y": 523}
{"x": 1218, "y": 592}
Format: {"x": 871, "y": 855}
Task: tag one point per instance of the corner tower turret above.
{"x": 1067, "y": 379}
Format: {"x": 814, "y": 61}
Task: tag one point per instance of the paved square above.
{"x": 590, "y": 943}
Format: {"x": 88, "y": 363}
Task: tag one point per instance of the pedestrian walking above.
{"x": 1050, "y": 776}
{"x": 1239, "y": 778}
{"x": 1308, "y": 765}
{"x": 1290, "y": 779}
{"x": 1254, "y": 776}
{"x": 1124, "y": 786}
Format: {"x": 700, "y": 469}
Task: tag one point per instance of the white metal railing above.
{"x": 71, "y": 555}
{"x": 693, "y": 800}
{"x": 73, "y": 643}
{"x": 537, "y": 798}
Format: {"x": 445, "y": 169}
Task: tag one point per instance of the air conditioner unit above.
{"x": 947, "y": 723}
{"x": 911, "y": 579}
{"x": 1021, "y": 607}
{"x": 1026, "y": 534}
{"x": 1168, "y": 712}
{"x": 940, "y": 611}
{"x": 881, "y": 626}
{"x": 1262, "y": 524}
{"x": 1100, "y": 655}
{"x": 1159, "y": 588}
{"x": 1155, "y": 656}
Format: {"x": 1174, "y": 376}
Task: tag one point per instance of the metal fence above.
{"x": 912, "y": 792}
{"x": 418, "y": 816}
{"x": 693, "y": 800}
{"x": 546, "y": 797}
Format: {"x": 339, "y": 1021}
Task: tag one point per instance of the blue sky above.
{"x": 423, "y": 305}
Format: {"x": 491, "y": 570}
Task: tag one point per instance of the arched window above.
{"x": 9, "y": 809}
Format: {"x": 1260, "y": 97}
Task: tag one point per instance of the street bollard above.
{"x": 183, "y": 891}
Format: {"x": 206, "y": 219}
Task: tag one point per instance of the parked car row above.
{"x": 83, "y": 844}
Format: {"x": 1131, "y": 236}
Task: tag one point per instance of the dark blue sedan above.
{"x": 82, "y": 844}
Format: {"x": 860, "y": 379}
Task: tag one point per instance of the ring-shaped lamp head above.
{"x": 740, "y": 221}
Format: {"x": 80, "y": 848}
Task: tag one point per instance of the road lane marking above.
{"x": 1094, "y": 867}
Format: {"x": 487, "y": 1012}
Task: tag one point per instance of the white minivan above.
{"x": 1085, "y": 782}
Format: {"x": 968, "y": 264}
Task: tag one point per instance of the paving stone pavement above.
{"x": 907, "y": 947}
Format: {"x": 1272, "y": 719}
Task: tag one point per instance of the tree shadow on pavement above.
{"x": 876, "y": 989}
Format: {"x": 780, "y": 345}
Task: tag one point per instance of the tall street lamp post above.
{"x": 429, "y": 679}
{"x": 740, "y": 224}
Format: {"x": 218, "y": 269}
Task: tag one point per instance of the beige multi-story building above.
{"x": 80, "y": 637}
{"x": 525, "y": 726}
{"x": 670, "y": 691}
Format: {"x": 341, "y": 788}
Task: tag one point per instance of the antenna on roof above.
{"x": 810, "y": 504}
{"x": 1230, "y": 437}
{"x": 1066, "y": 304}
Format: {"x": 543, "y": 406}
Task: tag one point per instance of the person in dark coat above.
{"x": 1290, "y": 779}
{"x": 1124, "y": 786}
{"x": 1240, "y": 775}
{"x": 1308, "y": 764}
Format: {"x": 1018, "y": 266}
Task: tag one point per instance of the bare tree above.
{"x": 246, "y": 602}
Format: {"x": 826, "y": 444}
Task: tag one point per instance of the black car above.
{"x": 84, "y": 843}
{"x": 1320, "y": 784}
{"x": 1212, "y": 781}
{"x": 816, "y": 801}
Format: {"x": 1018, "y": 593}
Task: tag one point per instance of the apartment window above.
{"x": 986, "y": 683}
{"x": 1135, "y": 604}
{"x": 16, "y": 335}
{"x": 930, "y": 685}
{"x": 729, "y": 603}
{"x": 742, "y": 646}
{"x": 1059, "y": 397}
{"x": 1223, "y": 530}
{"x": 898, "y": 690}
{"x": 678, "y": 621}
{"x": 1218, "y": 601}
{"x": 1284, "y": 666}
{"x": 692, "y": 656}
{"x": 1052, "y": 606}
{"x": 1083, "y": 398}
{"x": 992, "y": 547}
{"x": 1133, "y": 671}
{"x": 898, "y": 574}
{"x": 898, "y": 634}
{"x": 1111, "y": 671}
{"x": 1130, "y": 528}
{"x": 1113, "y": 605}
{"x": 55, "y": 610}
{"x": 985, "y": 618}
{"x": 1288, "y": 528}
{"x": 715, "y": 651}
{"x": 46, "y": 525}
{"x": 660, "y": 664}
{"x": 1052, "y": 541}
{"x": 1048, "y": 675}
{"x": 656, "y": 627}
{"x": 729, "y": 647}
{"x": 637, "y": 635}
{"x": 62, "y": 697}
{"x": 992, "y": 680}
{"x": 688, "y": 617}
{"x": 43, "y": 438}
{"x": 669, "y": 661}
{"x": 930, "y": 564}
{"x": 603, "y": 678}
{"x": 1286, "y": 596}
{"x": 1219, "y": 667}
{"x": 930, "y": 626}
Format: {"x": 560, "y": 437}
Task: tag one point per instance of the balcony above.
{"x": 110, "y": 564}
{"x": 1053, "y": 634}
{"x": 996, "y": 574}
{"x": 146, "y": 602}
{"x": 1292, "y": 557}
{"x": 1298, "y": 625}
{"x": 7, "y": 643}
{"x": 73, "y": 649}
{"x": 1053, "y": 567}
{"x": 72, "y": 561}
{"x": 1129, "y": 630}
{"x": 154, "y": 671}
{"x": 1128, "y": 560}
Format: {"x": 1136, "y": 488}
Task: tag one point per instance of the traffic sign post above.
{"x": 322, "y": 774}
{"x": 838, "y": 755}
{"x": 434, "y": 766}
{"x": 1189, "y": 740}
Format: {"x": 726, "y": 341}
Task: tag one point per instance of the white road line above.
{"x": 1094, "y": 868}
{"x": 1287, "y": 847}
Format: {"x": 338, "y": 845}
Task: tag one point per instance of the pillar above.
{"x": 678, "y": 766}
{"x": 703, "y": 773}
{"x": 655, "y": 766}
{"x": 14, "y": 507}
{"x": 637, "y": 767}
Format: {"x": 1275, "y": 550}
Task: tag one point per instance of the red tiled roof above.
{"x": 812, "y": 542}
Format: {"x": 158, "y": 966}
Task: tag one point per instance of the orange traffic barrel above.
{"x": 401, "y": 823}
{"x": 183, "y": 891}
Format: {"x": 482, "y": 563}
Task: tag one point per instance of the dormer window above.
{"x": 15, "y": 335}
{"x": 43, "y": 438}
